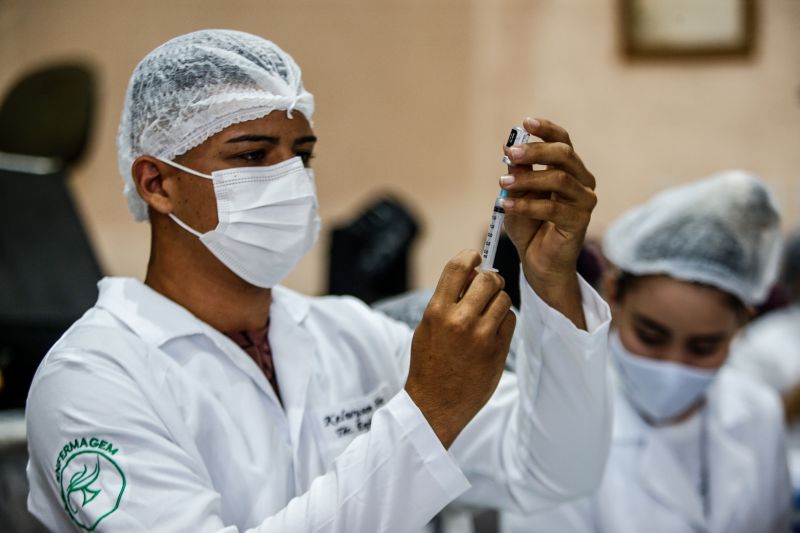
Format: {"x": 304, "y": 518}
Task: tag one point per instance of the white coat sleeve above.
{"x": 573, "y": 517}
{"x": 544, "y": 436}
{"x": 396, "y": 477}
{"x": 781, "y": 513}
{"x": 754, "y": 356}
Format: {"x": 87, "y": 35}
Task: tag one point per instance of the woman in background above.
{"x": 696, "y": 446}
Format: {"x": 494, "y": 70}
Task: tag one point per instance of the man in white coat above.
{"x": 209, "y": 398}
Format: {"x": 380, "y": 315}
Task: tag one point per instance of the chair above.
{"x": 369, "y": 256}
{"x": 49, "y": 113}
{"x": 48, "y": 270}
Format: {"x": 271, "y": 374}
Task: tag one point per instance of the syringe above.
{"x": 493, "y": 235}
{"x": 517, "y": 136}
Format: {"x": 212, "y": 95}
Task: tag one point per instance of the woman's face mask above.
{"x": 660, "y": 390}
{"x": 268, "y": 219}
{"x": 671, "y": 337}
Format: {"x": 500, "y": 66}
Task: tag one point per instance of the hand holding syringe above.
{"x": 517, "y": 136}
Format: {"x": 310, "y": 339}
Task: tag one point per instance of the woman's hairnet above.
{"x": 722, "y": 231}
{"x": 196, "y": 85}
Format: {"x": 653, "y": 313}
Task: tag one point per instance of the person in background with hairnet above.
{"x": 696, "y": 445}
{"x": 210, "y": 398}
{"x": 769, "y": 350}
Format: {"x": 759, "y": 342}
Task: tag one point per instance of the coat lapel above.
{"x": 665, "y": 479}
{"x": 733, "y": 470}
{"x": 294, "y": 351}
{"x": 659, "y": 473}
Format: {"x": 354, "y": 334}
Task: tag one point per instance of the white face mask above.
{"x": 268, "y": 219}
{"x": 660, "y": 390}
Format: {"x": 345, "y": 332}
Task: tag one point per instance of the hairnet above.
{"x": 196, "y": 85}
{"x": 722, "y": 231}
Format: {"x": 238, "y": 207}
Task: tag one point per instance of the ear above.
{"x": 608, "y": 286}
{"x": 148, "y": 176}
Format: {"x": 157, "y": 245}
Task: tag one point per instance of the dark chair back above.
{"x": 48, "y": 271}
{"x": 49, "y": 113}
{"x": 369, "y": 256}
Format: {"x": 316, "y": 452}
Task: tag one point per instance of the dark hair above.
{"x": 791, "y": 265}
{"x": 626, "y": 281}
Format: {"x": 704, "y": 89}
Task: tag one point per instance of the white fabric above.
{"x": 206, "y": 446}
{"x": 684, "y": 440}
{"x": 196, "y": 85}
{"x": 769, "y": 350}
{"x": 723, "y": 231}
{"x": 659, "y": 389}
{"x": 268, "y": 219}
{"x": 646, "y": 488}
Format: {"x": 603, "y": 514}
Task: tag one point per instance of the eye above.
{"x": 703, "y": 349}
{"x": 306, "y": 156}
{"x": 649, "y": 338}
{"x": 253, "y": 156}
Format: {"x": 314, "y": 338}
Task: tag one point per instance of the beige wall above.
{"x": 416, "y": 97}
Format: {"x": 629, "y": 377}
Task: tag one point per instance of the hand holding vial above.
{"x": 547, "y": 212}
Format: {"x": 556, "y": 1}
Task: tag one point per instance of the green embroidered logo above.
{"x": 91, "y": 481}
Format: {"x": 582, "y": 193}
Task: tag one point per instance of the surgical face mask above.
{"x": 660, "y": 390}
{"x": 268, "y": 219}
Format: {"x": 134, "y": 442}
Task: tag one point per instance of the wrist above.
{"x": 439, "y": 418}
{"x": 559, "y": 286}
{"x": 561, "y": 292}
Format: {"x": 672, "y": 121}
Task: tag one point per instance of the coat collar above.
{"x": 728, "y": 458}
{"x": 156, "y": 319}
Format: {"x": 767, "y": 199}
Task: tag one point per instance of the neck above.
{"x": 185, "y": 271}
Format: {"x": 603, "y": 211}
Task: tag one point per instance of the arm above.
{"x": 782, "y": 486}
{"x": 758, "y": 352}
{"x": 791, "y": 404}
{"x": 545, "y": 436}
{"x": 394, "y": 478}
{"x": 547, "y": 214}
{"x": 575, "y": 517}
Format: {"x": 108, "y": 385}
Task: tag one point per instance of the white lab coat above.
{"x": 143, "y": 418}
{"x": 769, "y": 350}
{"x": 646, "y": 488}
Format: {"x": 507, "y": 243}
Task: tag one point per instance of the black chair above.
{"x": 369, "y": 256}
{"x": 48, "y": 270}
{"x": 49, "y": 113}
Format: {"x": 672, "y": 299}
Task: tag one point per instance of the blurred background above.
{"x": 415, "y": 99}
{"x": 417, "y": 96}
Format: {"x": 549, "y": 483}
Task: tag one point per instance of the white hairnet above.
{"x": 196, "y": 85}
{"x": 722, "y": 231}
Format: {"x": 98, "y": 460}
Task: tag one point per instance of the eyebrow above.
{"x": 711, "y": 337}
{"x": 652, "y": 324}
{"x": 662, "y": 330}
{"x": 270, "y": 139}
{"x": 305, "y": 140}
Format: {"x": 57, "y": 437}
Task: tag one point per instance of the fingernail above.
{"x": 533, "y": 123}
{"x": 507, "y": 180}
{"x": 508, "y": 203}
{"x": 515, "y": 152}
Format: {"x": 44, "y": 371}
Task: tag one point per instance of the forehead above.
{"x": 276, "y": 124}
{"x": 680, "y": 305}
